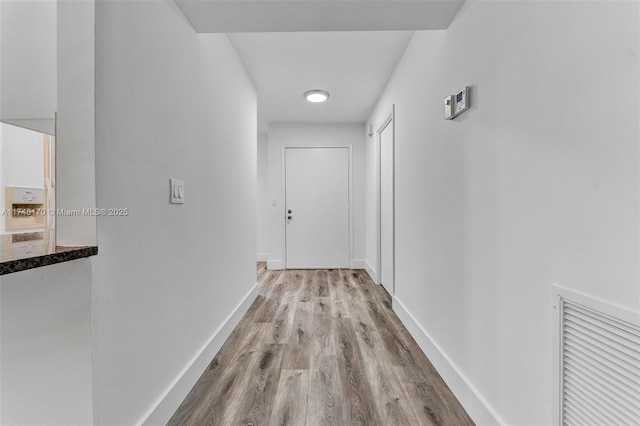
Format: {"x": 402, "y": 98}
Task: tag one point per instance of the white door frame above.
{"x": 389, "y": 119}
{"x": 283, "y": 189}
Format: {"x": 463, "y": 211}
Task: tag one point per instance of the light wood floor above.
{"x": 320, "y": 347}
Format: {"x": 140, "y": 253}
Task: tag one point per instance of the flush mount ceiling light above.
{"x": 316, "y": 96}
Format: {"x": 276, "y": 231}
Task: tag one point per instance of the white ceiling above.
{"x": 227, "y": 16}
{"x": 346, "y": 47}
{"x": 352, "y": 66}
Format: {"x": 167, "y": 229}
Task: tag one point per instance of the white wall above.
{"x": 45, "y": 351}
{"x": 264, "y": 202}
{"x": 75, "y": 137}
{"x": 283, "y": 134}
{"x": 28, "y": 60}
{"x": 536, "y": 184}
{"x": 45, "y": 313}
{"x": 169, "y": 104}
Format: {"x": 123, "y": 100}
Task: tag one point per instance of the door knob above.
{"x": 289, "y": 217}
{"x": 289, "y": 211}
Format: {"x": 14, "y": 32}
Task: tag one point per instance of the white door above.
{"x": 386, "y": 208}
{"x": 317, "y": 207}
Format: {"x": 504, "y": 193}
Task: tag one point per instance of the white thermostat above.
{"x": 462, "y": 100}
{"x": 456, "y": 104}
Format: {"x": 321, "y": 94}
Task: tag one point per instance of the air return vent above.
{"x": 599, "y": 362}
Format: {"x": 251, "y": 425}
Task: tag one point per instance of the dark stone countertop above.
{"x": 19, "y": 252}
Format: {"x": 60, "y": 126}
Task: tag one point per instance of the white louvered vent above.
{"x": 599, "y": 365}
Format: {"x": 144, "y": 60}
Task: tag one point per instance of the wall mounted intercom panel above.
{"x": 455, "y": 105}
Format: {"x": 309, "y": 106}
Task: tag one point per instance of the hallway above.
{"x": 320, "y": 347}
{"x": 508, "y": 235}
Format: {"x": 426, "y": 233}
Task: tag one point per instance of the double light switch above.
{"x": 177, "y": 191}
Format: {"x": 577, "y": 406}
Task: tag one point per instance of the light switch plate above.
{"x": 176, "y": 188}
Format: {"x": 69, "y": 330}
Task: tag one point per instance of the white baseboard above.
{"x": 275, "y": 264}
{"x": 356, "y": 264}
{"x": 279, "y": 264}
{"x": 371, "y": 271}
{"x": 172, "y": 397}
{"x": 471, "y": 399}
{"x": 262, "y": 257}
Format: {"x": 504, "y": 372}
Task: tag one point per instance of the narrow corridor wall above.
{"x": 537, "y": 184}
{"x": 170, "y": 103}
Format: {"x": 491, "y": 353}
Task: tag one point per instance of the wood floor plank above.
{"x": 422, "y": 380}
{"x": 290, "y": 404}
{"x": 265, "y": 333}
{"x": 425, "y": 401}
{"x": 387, "y": 334}
{"x": 333, "y": 278}
{"x": 391, "y": 398}
{"x": 211, "y": 401}
{"x": 320, "y": 347}
{"x": 284, "y": 316}
{"x": 269, "y": 279}
{"x": 274, "y": 297}
{"x": 257, "y": 399}
{"x": 414, "y": 403}
{"x": 321, "y": 283}
{"x": 233, "y": 386}
{"x": 325, "y": 406}
{"x": 294, "y": 275}
{"x": 360, "y": 404}
{"x": 307, "y": 292}
{"x": 298, "y": 351}
{"x": 323, "y": 328}
{"x": 423, "y": 374}
{"x": 236, "y": 349}
{"x": 339, "y": 307}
